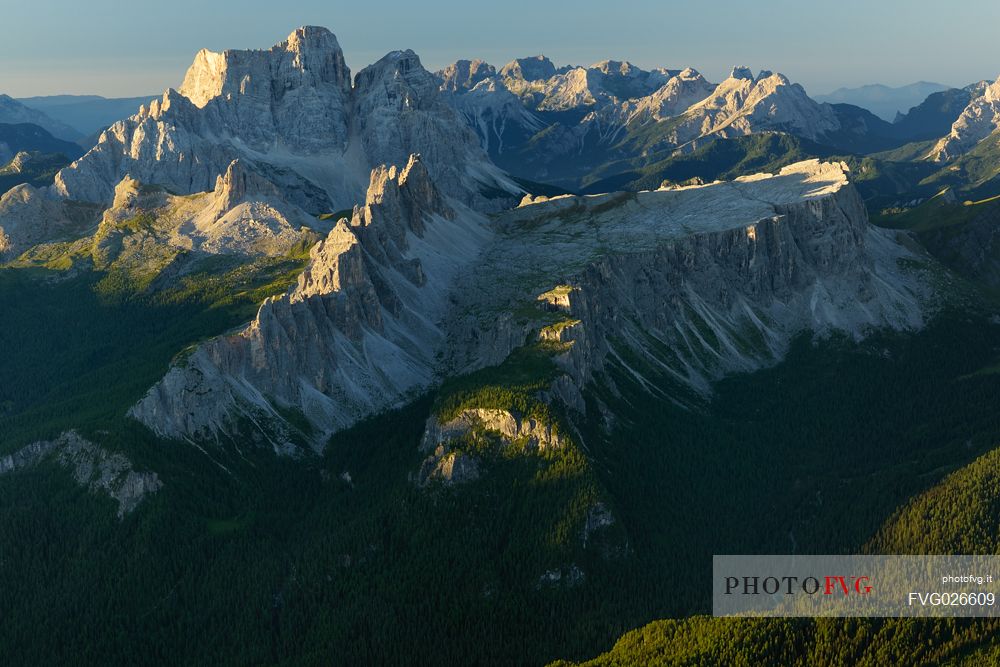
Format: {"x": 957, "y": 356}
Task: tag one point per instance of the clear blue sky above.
{"x": 117, "y": 48}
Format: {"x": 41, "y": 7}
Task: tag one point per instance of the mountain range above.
{"x": 482, "y": 365}
{"x": 886, "y": 102}
{"x": 13, "y": 112}
{"x": 574, "y": 126}
{"x": 87, "y": 114}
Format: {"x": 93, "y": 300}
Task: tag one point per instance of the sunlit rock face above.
{"x": 979, "y": 119}
{"x": 292, "y": 112}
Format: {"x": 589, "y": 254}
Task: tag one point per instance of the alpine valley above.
{"x": 483, "y": 365}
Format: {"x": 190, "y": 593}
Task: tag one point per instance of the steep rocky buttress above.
{"x": 357, "y": 334}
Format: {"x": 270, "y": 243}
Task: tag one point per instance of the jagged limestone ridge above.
{"x": 357, "y": 334}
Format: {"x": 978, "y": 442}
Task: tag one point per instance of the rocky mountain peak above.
{"x": 680, "y": 92}
{"x": 171, "y": 99}
{"x": 19, "y": 161}
{"x": 311, "y": 38}
{"x": 743, "y": 104}
{"x": 364, "y": 320}
{"x": 978, "y": 88}
{"x": 402, "y": 196}
{"x": 740, "y": 72}
{"x": 536, "y": 68}
{"x": 399, "y": 71}
{"x": 991, "y": 93}
{"x": 332, "y": 265}
{"x": 292, "y": 112}
{"x": 240, "y": 182}
{"x": 617, "y": 68}
{"x": 979, "y": 119}
{"x": 126, "y": 193}
{"x": 743, "y": 83}
{"x": 309, "y": 57}
{"x": 465, "y": 74}
{"x": 420, "y": 193}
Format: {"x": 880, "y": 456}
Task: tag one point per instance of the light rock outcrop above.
{"x": 100, "y": 471}
{"x": 19, "y": 162}
{"x": 445, "y": 463}
{"x": 534, "y": 435}
{"x": 448, "y": 467}
{"x": 244, "y": 214}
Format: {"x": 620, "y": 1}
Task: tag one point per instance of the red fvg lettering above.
{"x": 858, "y": 585}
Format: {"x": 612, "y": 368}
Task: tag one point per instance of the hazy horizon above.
{"x": 102, "y": 51}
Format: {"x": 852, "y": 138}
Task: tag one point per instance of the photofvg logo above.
{"x": 791, "y": 585}
{"x": 887, "y": 586}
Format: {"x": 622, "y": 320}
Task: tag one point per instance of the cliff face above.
{"x": 292, "y": 112}
{"x": 305, "y": 68}
{"x": 729, "y": 301}
{"x": 696, "y": 282}
{"x": 444, "y": 463}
